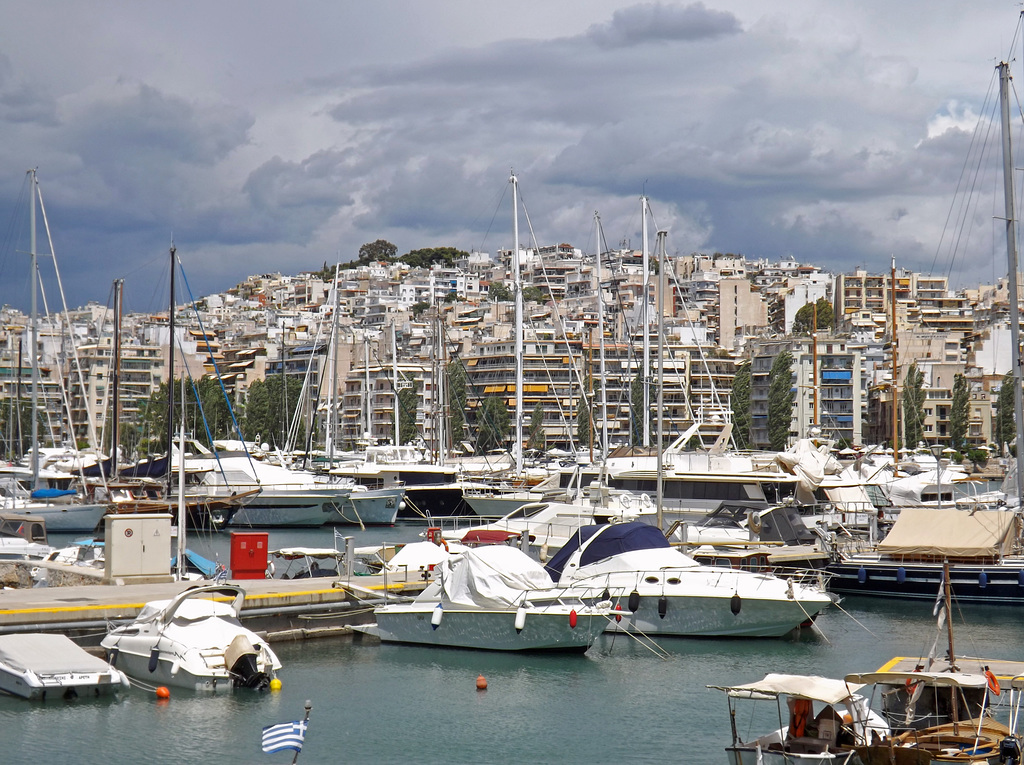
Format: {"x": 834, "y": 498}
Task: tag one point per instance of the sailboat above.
{"x": 984, "y": 548}
{"x": 61, "y": 507}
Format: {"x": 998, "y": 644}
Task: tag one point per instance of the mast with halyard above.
{"x": 1012, "y": 276}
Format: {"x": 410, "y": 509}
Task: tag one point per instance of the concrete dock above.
{"x": 283, "y": 609}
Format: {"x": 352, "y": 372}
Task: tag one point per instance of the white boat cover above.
{"x": 956, "y": 533}
{"x": 808, "y": 463}
{"x": 417, "y": 555}
{"x": 192, "y": 610}
{"x": 48, "y": 654}
{"x": 824, "y": 689}
{"x": 493, "y": 576}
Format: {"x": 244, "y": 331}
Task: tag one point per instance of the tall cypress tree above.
{"x": 1006, "y": 429}
{"x": 913, "y": 407}
{"x": 741, "y": 406}
{"x": 960, "y": 413}
{"x": 780, "y": 400}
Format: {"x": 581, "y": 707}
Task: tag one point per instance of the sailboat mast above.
{"x": 170, "y": 381}
{"x": 600, "y": 338}
{"x": 661, "y": 377}
{"x": 518, "y": 289}
{"x": 645, "y": 321}
{"x": 394, "y": 382}
{"x": 366, "y": 385}
{"x": 1011, "y": 255}
{"x": 332, "y": 409}
{"x": 115, "y": 438}
{"x": 34, "y": 332}
{"x": 182, "y": 520}
{"x": 894, "y": 344}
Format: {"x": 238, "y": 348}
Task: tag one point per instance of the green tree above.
{"x": 499, "y": 292}
{"x": 493, "y": 425}
{"x": 16, "y": 427}
{"x": 913, "y": 407}
{"x": 1006, "y": 428}
{"x": 418, "y": 309}
{"x": 583, "y": 422}
{"x": 780, "y": 400}
{"x": 636, "y": 410}
{"x": 458, "y": 400}
{"x": 425, "y": 258}
{"x": 408, "y": 405}
{"x": 803, "y": 322}
{"x": 534, "y": 294}
{"x": 380, "y": 250}
{"x": 269, "y": 409}
{"x": 960, "y": 413}
{"x": 741, "y": 385}
{"x": 536, "y": 439}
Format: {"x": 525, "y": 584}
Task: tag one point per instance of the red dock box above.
{"x": 248, "y": 554}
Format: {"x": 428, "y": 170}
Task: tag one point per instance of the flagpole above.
{"x": 305, "y": 722}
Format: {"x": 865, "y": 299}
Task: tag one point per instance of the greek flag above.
{"x": 277, "y": 738}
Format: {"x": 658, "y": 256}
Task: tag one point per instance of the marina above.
{"x": 380, "y": 702}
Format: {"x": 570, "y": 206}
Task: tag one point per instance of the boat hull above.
{"x": 376, "y": 507}
{"x": 547, "y": 630}
{"x": 994, "y": 583}
{"x": 433, "y": 501}
{"x": 290, "y": 509}
{"x": 137, "y": 666}
{"x": 748, "y": 755}
{"x": 66, "y": 519}
{"x": 64, "y": 685}
{"x": 697, "y": 616}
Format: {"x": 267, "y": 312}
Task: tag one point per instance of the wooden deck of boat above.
{"x": 72, "y": 609}
{"x": 1004, "y": 670}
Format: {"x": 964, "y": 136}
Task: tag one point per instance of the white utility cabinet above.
{"x": 137, "y": 548}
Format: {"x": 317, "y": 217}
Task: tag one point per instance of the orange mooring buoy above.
{"x": 163, "y": 692}
{"x": 481, "y": 683}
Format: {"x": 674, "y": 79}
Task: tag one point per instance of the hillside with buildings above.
{"x": 391, "y": 327}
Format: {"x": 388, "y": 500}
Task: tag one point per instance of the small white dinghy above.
{"x": 40, "y": 665}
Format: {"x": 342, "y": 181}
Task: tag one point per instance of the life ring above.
{"x": 444, "y": 544}
{"x": 993, "y": 682}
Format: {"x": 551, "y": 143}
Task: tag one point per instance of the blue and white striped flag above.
{"x": 277, "y": 738}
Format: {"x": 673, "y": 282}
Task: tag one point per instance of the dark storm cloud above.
{"x": 663, "y": 23}
{"x": 827, "y": 134}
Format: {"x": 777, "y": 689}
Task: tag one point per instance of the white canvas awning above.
{"x": 824, "y": 689}
{"x": 953, "y": 533}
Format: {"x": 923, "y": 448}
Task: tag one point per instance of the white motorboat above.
{"x": 193, "y": 641}
{"x": 495, "y": 598}
{"x": 41, "y": 666}
{"x": 825, "y": 735}
{"x": 666, "y": 592}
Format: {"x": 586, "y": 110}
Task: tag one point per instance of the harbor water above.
{"x": 622, "y": 701}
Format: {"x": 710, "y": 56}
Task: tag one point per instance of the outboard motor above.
{"x": 240, "y": 659}
{"x": 1009, "y": 750}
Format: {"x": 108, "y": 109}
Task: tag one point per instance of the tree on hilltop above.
{"x": 803, "y": 322}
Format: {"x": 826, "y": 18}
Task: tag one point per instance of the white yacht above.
{"x": 666, "y": 592}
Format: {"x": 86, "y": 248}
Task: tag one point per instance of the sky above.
{"x": 274, "y": 137}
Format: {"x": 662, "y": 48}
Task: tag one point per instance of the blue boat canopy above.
{"x": 615, "y": 538}
{"x": 52, "y": 493}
